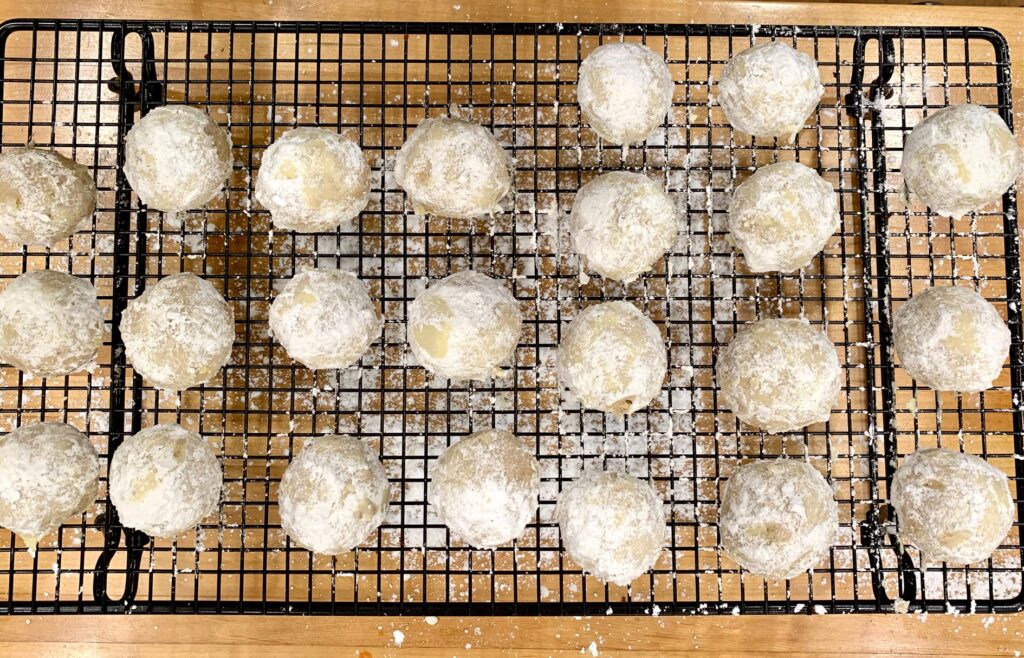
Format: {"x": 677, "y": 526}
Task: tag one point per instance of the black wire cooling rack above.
{"x": 77, "y": 86}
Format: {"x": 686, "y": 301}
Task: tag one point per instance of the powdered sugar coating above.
{"x": 313, "y": 179}
{"x": 453, "y": 168}
{"x": 621, "y": 224}
{"x": 612, "y": 525}
{"x": 50, "y": 323}
{"x": 333, "y": 494}
{"x": 961, "y": 158}
{"x": 782, "y": 217}
{"x": 179, "y": 332}
{"x": 778, "y": 517}
{"x": 613, "y": 358}
{"x": 769, "y": 90}
{"x": 951, "y": 339}
{"x": 48, "y": 473}
{"x": 624, "y": 91}
{"x": 485, "y": 488}
{"x": 325, "y": 319}
{"x": 44, "y": 196}
{"x": 464, "y": 326}
{"x": 165, "y": 480}
{"x": 954, "y": 507}
{"x": 177, "y": 158}
{"x": 779, "y": 375}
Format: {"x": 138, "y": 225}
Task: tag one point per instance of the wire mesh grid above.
{"x": 77, "y": 86}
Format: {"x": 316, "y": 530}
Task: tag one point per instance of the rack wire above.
{"x": 77, "y": 86}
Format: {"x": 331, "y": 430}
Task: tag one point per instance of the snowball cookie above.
{"x": 325, "y": 319}
{"x": 961, "y": 158}
{"x": 178, "y": 333}
{"x": 625, "y": 92}
{"x": 464, "y": 326}
{"x": 779, "y": 375}
{"x": 44, "y": 197}
{"x": 485, "y": 488}
{"x": 621, "y": 224}
{"x": 165, "y": 480}
{"x": 50, "y": 323}
{"x": 954, "y": 507}
{"x": 333, "y": 494}
{"x": 778, "y": 517}
{"x": 769, "y": 90}
{"x": 612, "y": 525}
{"x": 613, "y": 358}
{"x": 951, "y": 339}
{"x": 782, "y": 217}
{"x": 453, "y": 168}
{"x": 48, "y": 473}
{"x": 313, "y": 179}
{"x": 177, "y": 158}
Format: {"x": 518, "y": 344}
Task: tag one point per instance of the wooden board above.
{"x": 967, "y": 635}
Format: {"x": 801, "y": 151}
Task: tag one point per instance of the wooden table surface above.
{"x": 366, "y": 637}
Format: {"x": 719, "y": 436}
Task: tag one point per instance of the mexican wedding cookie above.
{"x": 779, "y": 375}
{"x": 313, "y": 179}
{"x": 44, "y": 197}
{"x": 48, "y": 473}
{"x": 778, "y": 517}
{"x": 621, "y": 224}
{"x": 769, "y": 90}
{"x": 165, "y": 480}
{"x": 612, "y": 358}
{"x": 612, "y": 525}
{"x": 325, "y": 319}
{"x": 464, "y": 326}
{"x": 178, "y": 333}
{"x": 782, "y": 217}
{"x": 961, "y": 158}
{"x": 333, "y": 494}
{"x": 485, "y": 488}
{"x": 624, "y": 91}
{"x": 453, "y": 168}
{"x": 951, "y": 339}
{"x": 177, "y": 158}
{"x": 50, "y": 323}
{"x": 954, "y": 507}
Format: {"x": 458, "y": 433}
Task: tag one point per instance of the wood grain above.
{"x": 375, "y": 636}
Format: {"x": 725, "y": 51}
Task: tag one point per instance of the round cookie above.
{"x": 51, "y": 323}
